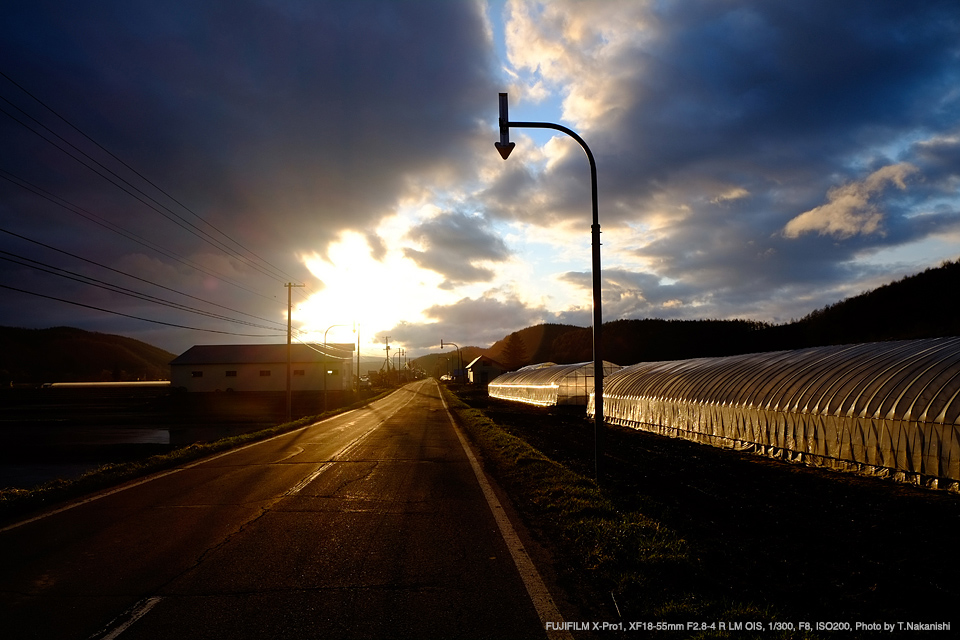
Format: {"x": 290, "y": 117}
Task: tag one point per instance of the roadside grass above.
{"x": 629, "y": 564}
{"x": 16, "y": 503}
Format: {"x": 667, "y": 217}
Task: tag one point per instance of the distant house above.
{"x": 483, "y": 369}
{"x": 263, "y": 367}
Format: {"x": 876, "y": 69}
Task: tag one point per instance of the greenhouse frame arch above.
{"x": 887, "y": 408}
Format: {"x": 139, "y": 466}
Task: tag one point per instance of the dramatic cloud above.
{"x": 852, "y": 208}
{"x": 755, "y": 159}
{"x": 453, "y": 244}
{"x": 470, "y": 321}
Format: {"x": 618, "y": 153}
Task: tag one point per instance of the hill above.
{"x": 438, "y": 364}
{"x": 533, "y": 344}
{"x": 64, "y": 354}
{"x": 924, "y": 305}
{"x": 918, "y": 306}
{"x": 631, "y": 341}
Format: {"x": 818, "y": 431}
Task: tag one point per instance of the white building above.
{"x": 483, "y": 369}
{"x": 263, "y": 367}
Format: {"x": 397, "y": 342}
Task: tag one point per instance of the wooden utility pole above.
{"x": 289, "y": 287}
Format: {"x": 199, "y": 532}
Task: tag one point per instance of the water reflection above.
{"x": 33, "y": 455}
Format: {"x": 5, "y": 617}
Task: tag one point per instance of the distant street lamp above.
{"x": 505, "y": 147}
{"x": 325, "y": 372}
{"x": 400, "y": 353}
{"x": 459, "y": 357}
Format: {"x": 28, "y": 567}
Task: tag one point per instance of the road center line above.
{"x": 536, "y": 589}
{"x": 344, "y": 451}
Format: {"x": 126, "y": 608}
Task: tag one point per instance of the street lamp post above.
{"x": 505, "y": 147}
{"x": 324, "y": 354}
{"x": 290, "y": 286}
{"x": 459, "y": 357}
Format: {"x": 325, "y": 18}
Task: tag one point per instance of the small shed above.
{"x": 263, "y": 367}
{"x": 549, "y": 384}
{"x": 483, "y": 369}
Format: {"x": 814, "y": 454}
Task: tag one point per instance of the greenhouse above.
{"x": 548, "y": 384}
{"x": 889, "y": 408}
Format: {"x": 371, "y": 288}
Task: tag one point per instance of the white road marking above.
{"x": 345, "y": 450}
{"x": 123, "y": 622}
{"x": 536, "y": 589}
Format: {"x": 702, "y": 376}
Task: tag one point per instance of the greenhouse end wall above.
{"x": 548, "y": 384}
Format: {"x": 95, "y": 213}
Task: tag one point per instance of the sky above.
{"x": 167, "y": 168}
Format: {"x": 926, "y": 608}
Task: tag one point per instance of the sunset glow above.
{"x": 354, "y": 287}
{"x": 755, "y": 160}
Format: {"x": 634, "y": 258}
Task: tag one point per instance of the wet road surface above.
{"x": 368, "y": 525}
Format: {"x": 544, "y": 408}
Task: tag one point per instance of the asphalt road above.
{"x": 368, "y": 525}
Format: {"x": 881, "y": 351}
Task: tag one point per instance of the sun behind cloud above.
{"x": 357, "y": 288}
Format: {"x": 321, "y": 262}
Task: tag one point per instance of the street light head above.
{"x": 504, "y": 146}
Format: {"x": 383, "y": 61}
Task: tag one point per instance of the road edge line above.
{"x": 536, "y": 588}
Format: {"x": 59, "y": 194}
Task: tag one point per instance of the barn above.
{"x": 548, "y": 384}
{"x": 263, "y": 367}
{"x": 888, "y": 408}
{"x": 483, "y": 369}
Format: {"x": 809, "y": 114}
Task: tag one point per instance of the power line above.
{"x": 127, "y": 315}
{"x": 179, "y": 221}
{"x": 100, "y": 284}
{"x": 103, "y": 222}
{"x": 206, "y": 235}
{"x": 129, "y": 275}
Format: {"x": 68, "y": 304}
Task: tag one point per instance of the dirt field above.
{"x": 813, "y": 544}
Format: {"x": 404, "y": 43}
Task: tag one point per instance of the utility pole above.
{"x": 289, "y": 287}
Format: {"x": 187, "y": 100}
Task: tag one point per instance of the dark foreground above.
{"x": 368, "y": 525}
{"x": 810, "y": 544}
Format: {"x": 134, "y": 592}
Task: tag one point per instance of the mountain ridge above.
{"x": 915, "y": 306}
{"x": 67, "y": 354}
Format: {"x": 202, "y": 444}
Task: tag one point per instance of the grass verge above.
{"x": 620, "y": 563}
{"x": 15, "y": 503}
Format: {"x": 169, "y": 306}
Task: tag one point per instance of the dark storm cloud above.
{"x": 282, "y": 123}
{"x": 452, "y": 243}
{"x": 310, "y": 115}
{"x": 773, "y": 88}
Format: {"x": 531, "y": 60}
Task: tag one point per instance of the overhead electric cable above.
{"x": 179, "y": 221}
{"x": 103, "y": 222}
{"x": 100, "y": 284}
{"x": 144, "y": 178}
{"x": 320, "y": 351}
{"x": 129, "y": 275}
{"x": 126, "y": 315}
